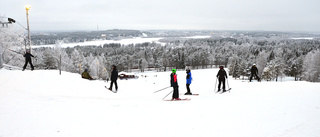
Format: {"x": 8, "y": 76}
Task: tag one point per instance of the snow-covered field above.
{"x": 42, "y": 103}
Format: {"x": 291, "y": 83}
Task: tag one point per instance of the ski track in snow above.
{"x": 43, "y": 103}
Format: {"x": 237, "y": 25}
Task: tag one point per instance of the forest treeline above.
{"x": 299, "y": 58}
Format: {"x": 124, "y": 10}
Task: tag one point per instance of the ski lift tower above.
{"x": 28, "y": 28}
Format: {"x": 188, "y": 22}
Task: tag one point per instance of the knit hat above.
{"x": 174, "y": 70}
{"x": 188, "y": 70}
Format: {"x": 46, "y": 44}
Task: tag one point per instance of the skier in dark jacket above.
{"x": 28, "y": 56}
{"x": 114, "y": 77}
{"x": 222, "y": 75}
{"x": 189, "y": 79}
{"x": 174, "y": 84}
{"x": 254, "y": 72}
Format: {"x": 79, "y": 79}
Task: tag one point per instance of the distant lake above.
{"x": 127, "y": 41}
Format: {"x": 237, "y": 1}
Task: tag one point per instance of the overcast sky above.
{"x": 269, "y": 15}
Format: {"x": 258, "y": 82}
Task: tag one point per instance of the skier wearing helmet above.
{"x": 174, "y": 84}
{"x": 222, "y": 75}
{"x": 254, "y": 72}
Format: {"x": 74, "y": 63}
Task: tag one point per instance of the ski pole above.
{"x": 15, "y": 51}
{"x": 161, "y": 89}
{"x": 167, "y": 95}
{"x": 228, "y": 85}
{"x": 215, "y": 84}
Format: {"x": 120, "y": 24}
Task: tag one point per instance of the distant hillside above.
{"x": 81, "y": 36}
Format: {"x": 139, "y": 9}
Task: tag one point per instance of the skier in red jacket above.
{"x": 174, "y": 84}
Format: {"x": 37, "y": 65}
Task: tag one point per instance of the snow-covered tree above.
{"x": 12, "y": 39}
{"x": 77, "y": 61}
{"x": 1, "y": 63}
{"x": 261, "y": 62}
{"x": 94, "y": 67}
{"x": 49, "y": 60}
{"x": 102, "y": 69}
{"x": 236, "y": 69}
{"x": 311, "y": 66}
{"x": 143, "y": 64}
{"x": 267, "y": 73}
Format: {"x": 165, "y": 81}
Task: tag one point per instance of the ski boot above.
{"x": 188, "y": 93}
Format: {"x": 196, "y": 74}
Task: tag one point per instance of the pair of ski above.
{"x": 224, "y": 91}
{"x": 185, "y": 99}
{"x": 189, "y": 94}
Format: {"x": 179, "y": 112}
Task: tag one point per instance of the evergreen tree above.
{"x": 49, "y": 60}
{"x": 77, "y": 61}
{"x": 312, "y": 66}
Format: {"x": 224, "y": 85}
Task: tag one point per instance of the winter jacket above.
{"x": 174, "y": 80}
{"x": 114, "y": 75}
{"x": 28, "y": 55}
{"x": 254, "y": 70}
{"x": 86, "y": 75}
{"x": 222, "y": 74}
{"x": 189, "y": 78}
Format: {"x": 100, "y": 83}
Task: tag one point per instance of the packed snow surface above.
{"x": 42, "y": 103}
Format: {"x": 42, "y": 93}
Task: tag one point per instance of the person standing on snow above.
{"x": 174, "y": 84}
{"x": 28, "y": 56}
{"x": 189, "y": 79}
{"x": 254, "y": 72}
{"x": 114, "y": 77}
{"x": 222, "y": 75}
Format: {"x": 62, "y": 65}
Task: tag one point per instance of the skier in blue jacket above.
{"x": 189, "y": 79}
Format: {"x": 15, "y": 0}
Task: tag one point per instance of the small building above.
{"x": 124, "y": 75}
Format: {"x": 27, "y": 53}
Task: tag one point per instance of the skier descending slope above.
{"x": 174, "y": 84}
